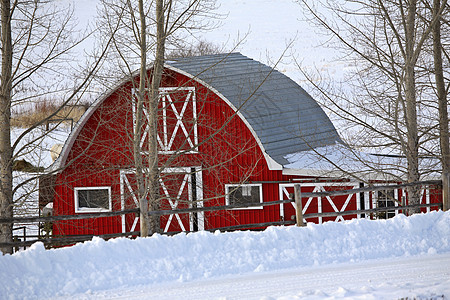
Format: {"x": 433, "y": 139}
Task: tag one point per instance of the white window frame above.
{"x": 229, "y": 188}
{"x": 79, "y": 209}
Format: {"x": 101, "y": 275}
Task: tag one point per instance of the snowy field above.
{"x": 264, "y": 30}
{"x": 358, "y": 259}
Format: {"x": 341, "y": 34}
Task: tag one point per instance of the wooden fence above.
{"x": 299, "y": 221}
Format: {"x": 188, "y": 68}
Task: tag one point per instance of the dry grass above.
{"x": 42, "y": 110}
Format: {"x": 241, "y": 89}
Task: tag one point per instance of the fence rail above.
{"x": 368, "y": 211}
{"x": 68, "y": 217}
{"x": 297, "y": 197}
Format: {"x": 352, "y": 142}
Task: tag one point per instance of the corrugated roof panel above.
{"x": 283, "y": 115}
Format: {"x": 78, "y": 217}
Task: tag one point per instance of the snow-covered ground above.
{"x": 360, "y": 259}
{"x": 420, "y": 277}
{"x": 384, "y": 259}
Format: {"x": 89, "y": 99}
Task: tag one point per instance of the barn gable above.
{"x": 283, "y": 118}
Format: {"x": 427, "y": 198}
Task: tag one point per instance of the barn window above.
{"x": 386, "y": 199}
{"x": 92, "y": 199}
{"x": 243, "y": 194}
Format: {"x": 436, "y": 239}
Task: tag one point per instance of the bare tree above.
{"x": 441, "y": 90}
{"x": 385, "y": 42}
{"x": 158, "y": 66}
{"x": 149, "y": 193}
{"x": 37, "y": 40}
{"x": 6, "y": 200}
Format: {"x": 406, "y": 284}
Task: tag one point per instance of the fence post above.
{"x": 445, "y": 191}
{"x": 298, "y": 205}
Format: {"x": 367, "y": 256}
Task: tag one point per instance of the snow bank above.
{"x": 122, "y": 263}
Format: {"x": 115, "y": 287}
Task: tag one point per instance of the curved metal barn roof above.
{"x": 285, "y": 118}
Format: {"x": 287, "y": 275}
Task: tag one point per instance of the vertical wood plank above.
{"x": 298, "y": 205}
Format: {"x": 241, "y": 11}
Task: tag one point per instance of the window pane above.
{"x": 83, "y": 198}
{"x": 244, "y": 195}
{"x": 386, "y": 199}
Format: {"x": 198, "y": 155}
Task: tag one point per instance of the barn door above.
{"x": 287, "y": 210}
{"x": 180, "y": 188}
{"x": 319, "y": 204}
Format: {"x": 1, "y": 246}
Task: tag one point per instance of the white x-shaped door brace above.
{"x": 166, "y": 142}
{"x": 173, "y": 202}
{"x": 318, "y": 188}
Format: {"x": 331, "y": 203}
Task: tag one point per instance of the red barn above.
{"x": 226, "y": 125}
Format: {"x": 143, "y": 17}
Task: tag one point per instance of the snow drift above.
{"x": 121, "y": 263}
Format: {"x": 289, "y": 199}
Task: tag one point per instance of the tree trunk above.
{"x": 141, "y": 186}
{"x": 440, "y": 89}
{"x": 412, "y": 147}
{"x": 6, "y": 200}
{"x": 158, "y": 67}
